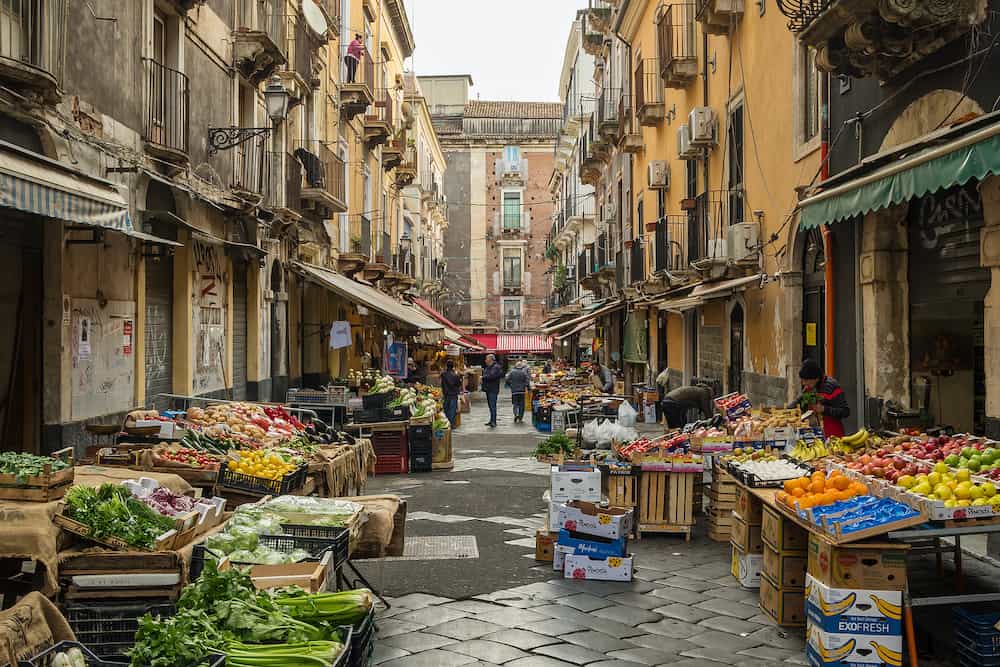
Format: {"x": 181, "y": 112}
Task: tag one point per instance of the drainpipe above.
{"x": 828, "y": 282}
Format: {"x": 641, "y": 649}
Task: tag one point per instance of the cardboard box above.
{"x": 782, "y": 533}
{"x": 545, "y": 543}
{"x": 785, "y": 607}
{"x": 554, "y": 517}
{"x": 584, "y": 517}
{"x": 559, "y": 553}
{"x": 748, "y": 506}
{"x": 875, "y": 567}
{"x": 575, "y": 482}
{"x": 824, "y": 649}
{"x": 746, "y": 568}
{"x": 785, "y": 568}
{"x": 747, "y": 538}
{"x": 615, "y": 568}
{"x": 588, "y": 545}
{"x": 854, "y": 611}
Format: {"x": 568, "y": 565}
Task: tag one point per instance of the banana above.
{"x": 888, "y": 609}
{"x": 839, "y": 607}
{"x": 887, "y": 655}
{"x": 857, "y": 438}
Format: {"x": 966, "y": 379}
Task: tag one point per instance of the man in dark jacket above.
{"x": 451, "y": 387}
{"x": 519, "y": 381}
{"x": 603, "y": 379}
{"x": 678, "y": 402}
{"x": 822, "y": 395}
{"x": 492, "y": 374}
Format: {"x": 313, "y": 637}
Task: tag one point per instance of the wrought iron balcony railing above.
{"x": 165, "y": 122}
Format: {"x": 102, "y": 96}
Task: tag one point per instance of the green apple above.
{"x": 951, "y": 460}
{"x": 969, "y": 452}
{"x": 943, "y": 492}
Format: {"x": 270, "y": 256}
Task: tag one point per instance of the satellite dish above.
{"x": 314, "y": 17}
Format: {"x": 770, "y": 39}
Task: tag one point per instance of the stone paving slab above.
{"x": 464, "y": 629}
{"x": 432, "y": 658}
{"x": 645, "y": 656}
{"x": 522, "y": 639}
{"x": 571, "y": 653}
{"x": 486, "y": 650}
{"x": 628, "y": 615}
{"x": 538, "y": 661}
{"x": 640, "y": 600}
{"x": 512, "y": 618}
{"x": 596, "y": 641}
{"x": 554, "y": 627}
{"x": 431, "y": 616}
{"x": 414, "y": 642}
{"x": 584, "y": 602}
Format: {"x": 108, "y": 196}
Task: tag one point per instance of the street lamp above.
{"x": 275, "y": 100}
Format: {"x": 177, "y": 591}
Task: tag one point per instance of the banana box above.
{"x": 584, "y": 517}
{"x": 854, "y": 611}
{"x": 746, "y": 568}
{"x": 827, "y": 649}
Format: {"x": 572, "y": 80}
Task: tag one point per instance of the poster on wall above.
{"x": 394, "y": 359}
{"x": 102, "y": 374}
{"x": 83, "y": 340}
{"x": 340, "y": 335}
{"x": 127, "y": 337}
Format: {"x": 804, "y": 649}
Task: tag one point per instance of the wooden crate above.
{"x": 666, "y": 503}
{"x": 621, "y": 490}
{"x": 46, "y": 487}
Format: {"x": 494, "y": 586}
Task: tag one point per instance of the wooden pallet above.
{"x": 44, "y": 487}
{"x": 621, "y": 490}
{"x": 666, "y": 503}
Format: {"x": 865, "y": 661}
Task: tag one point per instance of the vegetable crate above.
{"x": 363, "y": 641}
{"x": 315, "y": 539}
{"x": 43, "y": 487}
{"x": 293, "y": 481}
{"x": 976, "y": 639}
{"x": 163, "y": 543}
{"x": 373, "y": 401}
{"x": 392, "y": 452}
{"x": 48, "y": 657}
{"x": 666, "y": 500}
{"x": 109, "y": 630}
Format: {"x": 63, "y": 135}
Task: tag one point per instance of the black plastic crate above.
{"x": 375, "y": 401}
{"x": 258, "y": 485}
{"x": 421, "y": 432}
{"x": 421, "y": 463}
{"x": 368, "y": 415}
{"x": 109, "y": 630}
{"x": 45, "y": 658}
{"x": 363, "y": 640}
{"x": 421, "y": 447}
{"x": 396, "y": 414}
{"x": 315, "y": 546}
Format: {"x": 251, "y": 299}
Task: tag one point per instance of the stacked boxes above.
{"x": 854, "y": 604}
{"x": 783, "y": 572}
{"x": 593, "y": 539}
{"x": 721, "y": 502}
{"x": 745, "y": 537}
{"x": 568, "y": 482}
{"x": 421, "y": 440}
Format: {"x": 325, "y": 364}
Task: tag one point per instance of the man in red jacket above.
{"x": 822, "y": 395}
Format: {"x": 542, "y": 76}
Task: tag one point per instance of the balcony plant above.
{"x": 551, "y": 253}
{"x": 559, "y": 279}
{"x": 355, "y": 243}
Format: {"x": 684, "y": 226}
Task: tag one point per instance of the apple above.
{"x": 899, "y": 464}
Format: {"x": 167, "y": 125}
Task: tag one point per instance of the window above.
{"x": 512, "y": 154}
{"x": 511, "y": 314}
{"x": 511, "y": 211}
{"x": 511, "y": 268}
{"x": 810, "y": 93}
{"x": 661, "y": 204}
{"x": 735, "y": 156}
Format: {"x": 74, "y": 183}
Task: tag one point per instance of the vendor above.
{"x": 602, "y": 377}
{"x": 822, "y": 395}
{"x": 415, "y": 373}
{"x": 678, "y": 402}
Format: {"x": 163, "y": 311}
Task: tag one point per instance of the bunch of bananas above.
{"x": 809, "y": 450}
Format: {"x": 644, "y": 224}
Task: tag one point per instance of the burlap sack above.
{"x": 29, "y": 627}
{"x": 97, "y": 475}
{"x": 376, "y": 533}
{"x": 27, "y": 532}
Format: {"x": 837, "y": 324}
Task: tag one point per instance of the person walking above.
{"x": 451, "y": 387}
{"x": 355, "y": 51}
{"x": 519, "y": 381}
{"x": 492, "y": 374}
{"x": 824, "y": 396}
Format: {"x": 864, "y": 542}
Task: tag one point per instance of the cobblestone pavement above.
{"x": 684, "y": 607}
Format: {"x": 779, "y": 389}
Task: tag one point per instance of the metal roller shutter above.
{"x": 240, "y": 331}
{"x": 158, "y": 336}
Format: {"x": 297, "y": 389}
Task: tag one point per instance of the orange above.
{"x": 817, "y": 486}
{"x": 802, "y": 482}
{"x": 798, "y": 492}
{"x": 789, "y": 485}
{"x": 840, "y": 483}
{"x": 845, "y": 494}
{"x": 781, "y": 497}
{"x": 834, "y": 473}
{"x": 805, "y": 503}
{"x": 859, "y": 488}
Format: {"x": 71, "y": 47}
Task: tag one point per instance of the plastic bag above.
{"x": 589, "y": 435}
{"x": 626, "y": 414}
{"x": 605, "y": 434}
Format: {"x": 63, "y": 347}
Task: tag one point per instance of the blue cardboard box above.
{"x": 592, "y": 546}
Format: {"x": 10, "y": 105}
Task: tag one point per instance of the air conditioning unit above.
{"x": 718, "y": 250}
{"x": 685, "y": 149}
{"x": 512, "y": 325}
{"x": 703, "y": 123}
{"x": 658, "y": 175}
{"x": 742, "y": 240}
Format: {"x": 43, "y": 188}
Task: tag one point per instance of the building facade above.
{"x": 166, "y": 220}
{"x": 500, "y": 158}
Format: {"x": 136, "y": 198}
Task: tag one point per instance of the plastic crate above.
{"x": 391, "y": 464}
{"x": 259, "y": 485}
{"x": 44, "y": 659}
{"x": 363, "y": 641}
{"x": 421, "y": 463}
{"x": 368, "y": 415}
{"x": 315, "y": 546}
{"x": 976, "y": 634}
{"x": 109, "y": 630}
{"x": 399, "y": 413}
{"x": 375, "y": 401}
{"x": 339, "y": 537}
{"x": 420, "y": 432}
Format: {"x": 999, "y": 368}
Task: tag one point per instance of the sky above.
{"x": 512, "y": 48}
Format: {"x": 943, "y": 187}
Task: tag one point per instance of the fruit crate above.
{"x": 363, "y": 640}
{"x": 976, "y": 638}
{"x": 315, "y": 546}
{"x": 109, "y": 630}
{"x": 420, "y": 433}
{"x": 261, "y": 486}
{"x": 45, "y": 487}
{"x": 368, "y": 415}
{"x": 374, "y": 401}
{"x": 400, "y": 413}
{"x": 421, "y": 463}
{"x": 338, "y": 537}
{"x": 747, "y": 478}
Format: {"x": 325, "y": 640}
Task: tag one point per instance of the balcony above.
{"x": 593, "y": 40}
{"x": 322, "y": 178}
{"x": 406, "y": 172}
{"x": 357, "y": 88}
{"x": 678, "y": 45}
{"x": 259, "y": 45}
{"x": 594, "y": 151}
{"x": 649, "y": 108}
{"x": 165, "y": 122}
{"x": 672, "y": 246}
{"x": 392, "y": 152}
{"x": 717, "y": 16}
{"x": 252, "y": 166}
{"x": 608, "y": 107}
{"x": 378, "y": 120}
{"x": 599, "y": 13}
{"x": 628, "y": 126}
{"x": 865, "y": 38}
{"x": 637, "y": 261}
{"x": 33, "y": 44}
{"x": 332, "y": 10}
{"x": 511, "y": 224}
{"x": 511, "y": 171}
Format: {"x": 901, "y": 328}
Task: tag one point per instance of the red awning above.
{"x": 466, "y": 340}
{"x": 515, "y": 343}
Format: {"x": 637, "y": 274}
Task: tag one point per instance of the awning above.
{"x": 573, "y": 332}
{"x": 453, "y": 332}
{"x": 719, "y": 289}
{"x": 587, "y": 317}
{"x": 951, "y": 157}
{"x": 515, "y": 343}
{"x": 372, "y": 298}
{"x": 35, "y": 184}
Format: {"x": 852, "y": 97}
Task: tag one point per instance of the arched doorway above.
{"x": 813, "y": 297}
{"x": 736, "y": 338}
{"x": 279, "y": 330}
{"x": 159, "y": 296}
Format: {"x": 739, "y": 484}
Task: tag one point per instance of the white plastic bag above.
{"x": 605, "y": 434}
{"x": 625, "y": 433}
{"x": 626, "y": 414}
{"x": 589, "y": 435}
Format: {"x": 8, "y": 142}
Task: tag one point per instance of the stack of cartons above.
{"x": 568, "y": 482}
{"x": 783, "y": 575}
{"x": 748, "y": 549}
{"x": 854, "y": 604}
{"x": 593, "y": 542}
{"x": 721, "y": 502}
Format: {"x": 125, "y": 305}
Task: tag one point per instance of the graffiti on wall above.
{"x": 210, "y": 291}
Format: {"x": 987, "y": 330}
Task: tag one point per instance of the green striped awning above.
{"x": 975, "y": 155}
